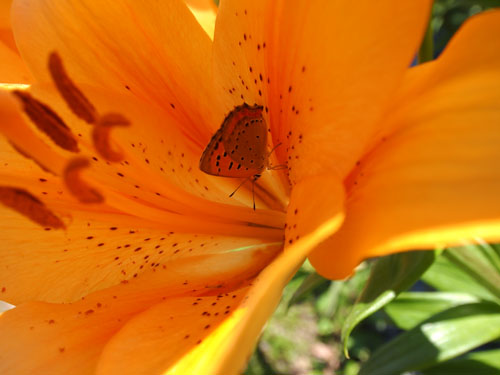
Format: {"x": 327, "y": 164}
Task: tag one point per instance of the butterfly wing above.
{"x": 239, "y": 147}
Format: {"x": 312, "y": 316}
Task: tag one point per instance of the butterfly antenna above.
{"x": 274, "y": 148}
{"x": 245, "y": 180}
{"x": 255, "y": 178}
{"x": 276, "y": 167}
{"x": 253, "y": 194}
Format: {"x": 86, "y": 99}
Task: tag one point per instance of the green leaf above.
{"x": 477, "y": 262}
{"x": 411, "y": 309}
{"x": 483, "y": 3}
{"x": 311, "y": 282}
{"x": 445, "y": 276}
{"x": 444, "y": 336}
{"x": 490, "y": 255}
{"x": 327, "y": 303}
{"x": 483, "y": 363}
{"x": 495, "y": 251}
{"x": 389, "y": 276}
{"x": 473, "y": 269}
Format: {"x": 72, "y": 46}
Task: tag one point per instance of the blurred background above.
{"x": 429, "y": 313}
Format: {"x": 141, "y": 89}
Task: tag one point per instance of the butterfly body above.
{"x": 239, "y": 148}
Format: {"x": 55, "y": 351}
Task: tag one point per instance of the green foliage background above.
{"x": 426, "y": 313}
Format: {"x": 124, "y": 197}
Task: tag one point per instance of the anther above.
{"x": 28, "y": 156}
{"x": 101, "y": 135}
{"x": 28, "y": 205}
{"x": 74, "y": 98}
{"x": 47, "y": 121}
{"x": 83, "y": 192}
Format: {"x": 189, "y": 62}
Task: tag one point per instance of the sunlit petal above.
{"x": 324, "y": 70}
{"x": 225, "y": 349}
{"x": 433, "y": 178}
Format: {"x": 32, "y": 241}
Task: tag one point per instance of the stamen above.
{"x": 28, "y": 205}
{"x": 83, "y": 192}
{"x": 74, "y": 98}
{"x": 47, "y": 121}
{"x": 28, "y": 156}
{"x": 101, "y": 136}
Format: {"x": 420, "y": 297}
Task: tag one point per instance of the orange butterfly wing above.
{"x": 239, "y": 148}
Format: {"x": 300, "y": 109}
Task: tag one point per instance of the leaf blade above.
{"x": 484, "y": 363}
{"x": 390, "y": 275}
{"x": 411, "y": 309}
{"x": 470, "y": 269}
{"x": 442, "y": 337}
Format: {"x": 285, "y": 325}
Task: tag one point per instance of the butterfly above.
{"x": 239, "y": 148}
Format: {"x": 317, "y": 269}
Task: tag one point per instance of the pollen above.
{"x": 83, "y": 192}
{"x": 101, "y": 135}
{"x": 75, "y": 99}
{"x": 28, "y": 205}
{"x": 47, "y": 121}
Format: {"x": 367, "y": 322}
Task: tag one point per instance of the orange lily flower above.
{"x": 123, "y": 257}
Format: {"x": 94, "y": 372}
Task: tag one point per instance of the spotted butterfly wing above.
{"x": 239, "y": 147}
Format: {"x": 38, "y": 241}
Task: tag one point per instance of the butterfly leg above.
{"x": 275, "y": 167}
{"x": 241, "y": 184}
{"x": 254, "y": 179}
{"x": 278, "y": 167}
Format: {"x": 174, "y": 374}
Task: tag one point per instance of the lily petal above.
{"x": 5, "y": 14}
{"x": 77, "y": 332}
{"x": 304, "y": 214}
{"x": 53, "y": 338}
{"x": 12, "y": 69}
{"x": 324, "y": 70}
{"x": 99, "y": 250}
{"x": 226, "y": 348}
{"x": 128, "y": 46}
{"x": 155, "y": 340}
{"x": 102, "y": 245}
{"x": 432, "y": 178}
